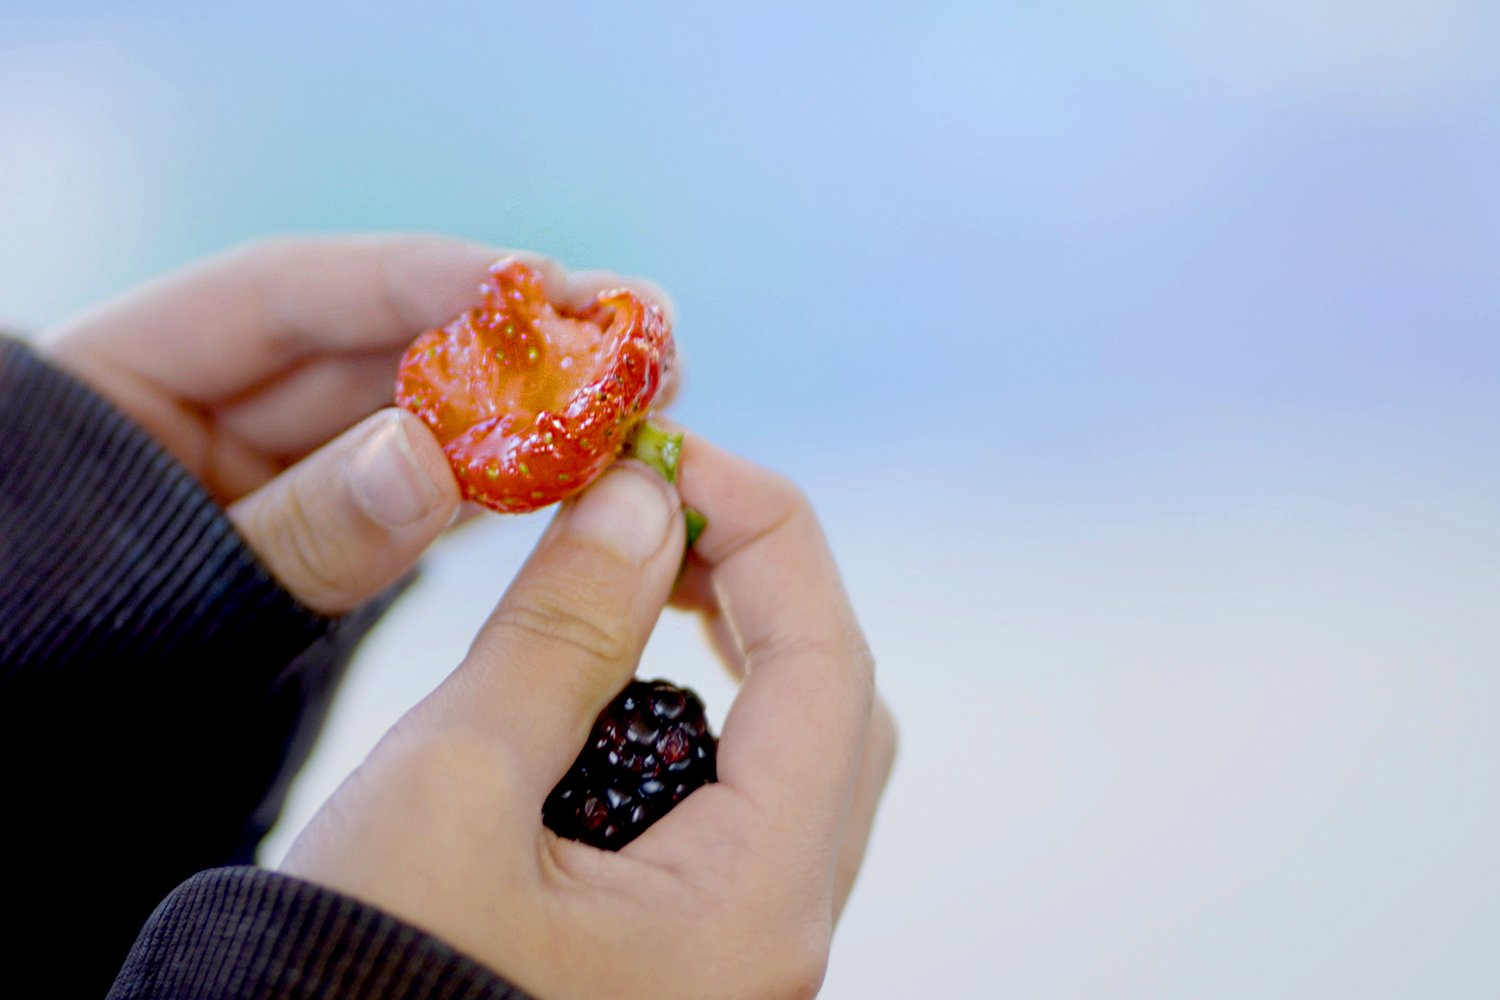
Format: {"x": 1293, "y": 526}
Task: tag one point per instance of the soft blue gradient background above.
{"x": 1141, "y": 356}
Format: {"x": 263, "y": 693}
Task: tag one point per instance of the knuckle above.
{"x": 557, "y": 619}
{"x": 785, "y": 497}
{"x": 846, "y": 647}
{"x": 780, "y": 506}
{"x": 256, "y": 266}
{"x": 284, "y": 535}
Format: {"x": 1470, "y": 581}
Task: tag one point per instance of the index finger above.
{"x": 793, "y": 740}
{"x": 212, "y": 331}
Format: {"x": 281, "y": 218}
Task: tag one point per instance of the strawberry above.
{"x": 531, "y": 400}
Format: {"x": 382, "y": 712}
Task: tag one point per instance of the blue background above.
{"x": 1142, "y": 358}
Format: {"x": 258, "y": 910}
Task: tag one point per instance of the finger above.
{"x": 467, "y": 511}
{"x": 347, "y": 521}
{"x": 874, "y": 771}
{"x": 694, "y": 592}
{"x": 273, "y": 304}
{"x": 299, "y": 411}
{"x": 794, "y": 738}
{"x": 566, "y": 636}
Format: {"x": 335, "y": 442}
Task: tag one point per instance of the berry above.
{"x": 532, "y": 400}
{"x": 649, "y": 749}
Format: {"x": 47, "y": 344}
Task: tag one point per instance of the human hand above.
{"x": 736, "y": 891}
{"x": 251, "y": 368}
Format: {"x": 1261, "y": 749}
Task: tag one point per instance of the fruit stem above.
{"x": 662, "y": 450}
{"x": 696, "y": 522}
{"x": 657, "y": 447}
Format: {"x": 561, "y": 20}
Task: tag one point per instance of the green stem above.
{"x": 696, "y": 522}
{"x": 662, "y": 450}
{"x": 657, "y": 447}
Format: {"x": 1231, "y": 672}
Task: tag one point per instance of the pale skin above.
{"x": 251, "y": 370}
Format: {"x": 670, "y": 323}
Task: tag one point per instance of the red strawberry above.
{"x": 531, "y": 400}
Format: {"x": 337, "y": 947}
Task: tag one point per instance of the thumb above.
{"x": 348, "y": 520}
{"x": 566, "y": 636}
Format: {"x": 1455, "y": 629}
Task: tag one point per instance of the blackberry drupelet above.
{"x": 649, "y": 749}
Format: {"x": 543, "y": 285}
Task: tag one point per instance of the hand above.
{"x": 251, "y": 368}
{"x": 734, "y": 893}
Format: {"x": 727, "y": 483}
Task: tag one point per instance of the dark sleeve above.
{"x": 157, "y": 688}
{"x": 248, "y": 934}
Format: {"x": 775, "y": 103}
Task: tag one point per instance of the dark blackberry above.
{"x": 649, "y": 748}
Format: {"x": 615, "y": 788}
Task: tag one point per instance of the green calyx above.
{"x": 662, "y": 450}
{"x": 696, "y": 522}
{"x": 657, "y": 447}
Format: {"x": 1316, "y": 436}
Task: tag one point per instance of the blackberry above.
{"x": 650, "y": 747}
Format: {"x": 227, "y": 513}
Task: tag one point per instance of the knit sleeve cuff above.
{"x": 158, "y": 687}
{"x": 121, "y": 555}
{"x": 250, "y": 934}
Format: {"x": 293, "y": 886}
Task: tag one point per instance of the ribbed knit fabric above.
{"x": 157, "y": 687}
{"x": 247, "y": 934}
{"x": 98, "y": 524}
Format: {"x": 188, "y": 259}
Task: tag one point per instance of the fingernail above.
{"x": 390, "y": 483}
{"x": 629, "y": 510}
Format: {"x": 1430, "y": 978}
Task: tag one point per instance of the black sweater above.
{"x": 158, "y": 690}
